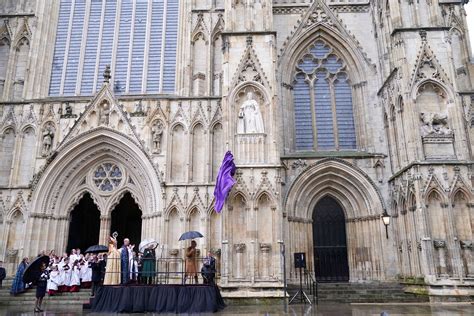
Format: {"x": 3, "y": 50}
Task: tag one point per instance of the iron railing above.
{"x": 165, "y": 271}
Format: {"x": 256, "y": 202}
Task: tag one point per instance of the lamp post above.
{"x": 386, "y": 221}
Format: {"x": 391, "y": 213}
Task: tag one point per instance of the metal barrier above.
{"x": 311, "y": 284}
{"x": 167, "y": 271}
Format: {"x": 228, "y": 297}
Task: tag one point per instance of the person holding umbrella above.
{"x": 191, "y": 269}
{"x": 41, "y": 285}
{"x": 191, "y": 254}
{"x": 96, "y": 266}
{"x": 149, "y": 260}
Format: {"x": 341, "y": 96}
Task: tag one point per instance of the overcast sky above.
{"x": 470, "y": 20}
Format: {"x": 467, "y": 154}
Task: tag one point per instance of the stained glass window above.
{"x": 107, "y": 177}
{"x": 127, "y": 35}
{"x": 322, "y": 99}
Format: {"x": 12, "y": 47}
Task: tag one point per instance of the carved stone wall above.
{"x": 406, "y": 84}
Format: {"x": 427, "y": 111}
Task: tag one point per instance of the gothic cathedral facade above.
{"x": 116, "y": 114}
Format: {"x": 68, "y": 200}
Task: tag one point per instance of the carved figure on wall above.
{"x": 434, "y": 124}
{"x": 104, "y": 113}
{"x": 68, "y": 109}
{"x": 138, "y": 107}
{"x": 48, "y": 137}
{"x": 157, "y": 133}
{"x": 250, "y": 117}
{"x": 67, "y": 113}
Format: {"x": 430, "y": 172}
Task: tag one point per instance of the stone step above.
{"x": 46, "y": 303}
{"x": 362, "y": 293}
{"x": 28, "y": 299}
{"x": 32, "y": 292}
{"x": 55, "y": 298}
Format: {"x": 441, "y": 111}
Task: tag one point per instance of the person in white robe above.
{"x": 54, "y": 280}
{"x": 75, "y": 280}
{"x": 73, "y": 257}
{"x": 86, "y": 275}
{"x": 133, "y": 266}
{"x": 65, "y": 275}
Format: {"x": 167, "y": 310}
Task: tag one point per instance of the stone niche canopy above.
{"x": 437, "y": 136}
{"x": 250, "y": 105}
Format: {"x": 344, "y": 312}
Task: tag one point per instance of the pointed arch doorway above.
{"x": 127, "y": 220}
{"x": 329, "y": 240}
{"x": 84, "y": 225}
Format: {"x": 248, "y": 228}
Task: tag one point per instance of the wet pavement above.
{"x": 322, "y": 310}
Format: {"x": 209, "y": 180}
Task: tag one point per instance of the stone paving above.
{"x": 320, "y": 310}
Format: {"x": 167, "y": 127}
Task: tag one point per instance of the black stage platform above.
{"x": 158, "y": 299}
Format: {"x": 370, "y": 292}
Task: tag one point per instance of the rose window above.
{"x": 107, "y": 177}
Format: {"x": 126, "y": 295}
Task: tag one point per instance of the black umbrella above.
{"x": 97, "y": 249}
{"x": 33, "y": 271}
{"x": 190, "y": 235}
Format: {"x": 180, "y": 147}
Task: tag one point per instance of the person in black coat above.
{"x": 96, "y": 265}
{"x": 41, "y": 285}
{"x": 208, "y": 270}
{"x": 103, "y": 265}
{"x": 3, "y": 273}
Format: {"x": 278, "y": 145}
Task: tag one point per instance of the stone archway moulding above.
{"x": 353, "y": 189}
{"x": 65, "y": 178}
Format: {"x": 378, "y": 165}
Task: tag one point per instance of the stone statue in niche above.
{"x": 67, "y": 113}
{"x": 435, "y": 124}
{"x": 138, "y": 109}
{"x": 157, "y": 133}
{"x": 104, "y": 113}
{"x": 48, "y": 137}
{"x": 68, "y": 109}
{"x": 250, "y": 117}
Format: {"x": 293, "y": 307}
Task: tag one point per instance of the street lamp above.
{"x": 386, "y": 221}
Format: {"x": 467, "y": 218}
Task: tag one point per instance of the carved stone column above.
{"x": 440, "y": 246}
{"x": 104, "y": 231}
{"x": 239, "y": 259}
{"x": 466, "y": 249}
{"x": 225, "y": 261}
{"x": 217, "y": 254}
{"x": 173, "y": 265}
{"x": 265, "y": 249}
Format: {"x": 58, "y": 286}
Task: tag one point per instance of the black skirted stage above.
{"x": 158, "y": 299}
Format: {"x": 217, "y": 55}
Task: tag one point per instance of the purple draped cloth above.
{"x": 224, "y": 181}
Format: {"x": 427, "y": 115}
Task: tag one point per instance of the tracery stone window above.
{"x": 107, "y": 177}
{"x": 322, "y": 95}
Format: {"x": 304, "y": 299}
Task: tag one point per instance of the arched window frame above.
{"x": 322, "y": 64}
{"x": 18, "y": 154}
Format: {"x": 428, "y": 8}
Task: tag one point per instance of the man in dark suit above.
{"x": 3, "y": 273}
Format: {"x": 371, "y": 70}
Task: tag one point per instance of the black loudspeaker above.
{"x": 300, "y": 260}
